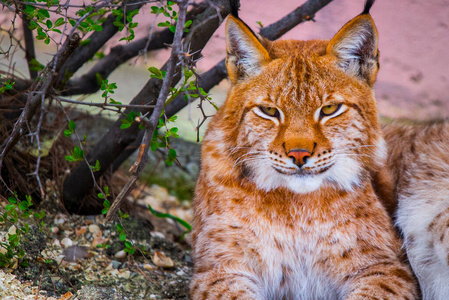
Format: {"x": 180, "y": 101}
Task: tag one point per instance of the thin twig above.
{"x": 151, "y": 124}
{"x": 104, "y": 105}
{"x": 39, "y": 90}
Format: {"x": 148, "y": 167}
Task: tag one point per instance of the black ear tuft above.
{"x": 367, "y": 7}
{"x": 235, "y": 5}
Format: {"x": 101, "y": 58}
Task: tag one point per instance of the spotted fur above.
{"x": 415, "y": 185}
{"x": 268, "y": 227}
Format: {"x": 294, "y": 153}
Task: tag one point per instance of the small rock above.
{"x": 121, "y": 254}
{"x": 75, "y": 253}
{"x": 12, "y": 230}
{"x": 160, "y": 260}
{"x": 97, "y": 241}
{"x": 95, "y": 230}
{"x": 124, "y": 274}
{"x": 54, "y": 229}
{"x": 148, "y": 267}
{"x": 80, "y": 230}
{"x": 66, "y": 242}
{"x": 59, "y": 259}
{"x": 66, "y": 296}
{"x": 60, "y": 219}
{"x": 115, "y": 264}
{"x": 157, "y": 234}
{"x": 56, "y": 243}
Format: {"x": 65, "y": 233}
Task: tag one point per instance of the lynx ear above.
{"x": 246, "y": 55}
{"x": 355, "y": 47}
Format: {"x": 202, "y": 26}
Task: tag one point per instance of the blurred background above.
{"x": 413, "y": 81}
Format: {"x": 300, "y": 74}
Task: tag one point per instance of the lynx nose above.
{"x": 300, "y": 156}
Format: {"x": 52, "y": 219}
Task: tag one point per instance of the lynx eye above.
{"x": 330, "y": 109}
{"x": 270, "y": 111}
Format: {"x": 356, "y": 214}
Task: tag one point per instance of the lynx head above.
{"x": 301, "y": 114}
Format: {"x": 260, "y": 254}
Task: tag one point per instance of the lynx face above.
{"x": 299, "y": 127}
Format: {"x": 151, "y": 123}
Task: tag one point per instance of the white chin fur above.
{"x": 344, "y": 174}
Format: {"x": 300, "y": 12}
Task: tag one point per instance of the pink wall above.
{"x": 414, "y": 40}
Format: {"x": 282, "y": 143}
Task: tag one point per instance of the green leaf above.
{"x": 170, "y": 216}
{"x": 125, "y": 125}
{"x": 171, "y": 157}
{"x": 133, "y": 13}
{"x": 23, "y": 205}
{"x": 128, "y": 244}
{"x": 59, "y": 22}
{"x": 156, "y": 72}
{"x": 188, "y": 23}
{"x": 85, "y": 42}
{"x": 69, "y": 158}
{"x": 72, "y": 125}
{"x": 12, "y": 200}
{"x": 96, "y": 168}
{"x": 33, "y": 25}
{"x": 35, "y": 65}
{"x": 9, "y": 207}
{"x": 49, "y": 24}
{"x": 26, "y": 228}
{"x": 131, "y": 251}
{"x": 107, "y": 204}
{"x": 122, "y": 236}
{"x": 24, "y": 263}
{"x": 97, "y": 27}
{"x": 164, "y": 24}
{"x": 119, "y": 227}
{"x": 154, "y": 145}
{"x": 14, "y": 240}
{"x": 100, "y": 195}
{"x": 40, "y": 215}
{"x": 112, "y": 101}
{"x": 29, "y": 9}
{"x": 117, "y": 12}
{"x": 43, "y": 13}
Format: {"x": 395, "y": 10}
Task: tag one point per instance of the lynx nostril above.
{"x": 300, "y": 156}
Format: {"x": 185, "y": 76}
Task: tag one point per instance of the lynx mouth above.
{"x": 304, "y": 172}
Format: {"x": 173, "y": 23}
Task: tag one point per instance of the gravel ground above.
{"x": 65, "y": 262}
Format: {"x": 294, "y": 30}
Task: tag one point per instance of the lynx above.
{"x": 284, "y": 205}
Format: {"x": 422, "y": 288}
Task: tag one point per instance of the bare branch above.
{"x": 305, "y": 12}
{"x": 88, "y": 82}
{"x": 39, "y": 90}
{"x": 97, "y": 40}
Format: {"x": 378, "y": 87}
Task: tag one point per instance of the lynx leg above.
{"x": 223, "y": 285}
{"x": 426, "y": 236}
{"x": 386, "y": 280}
